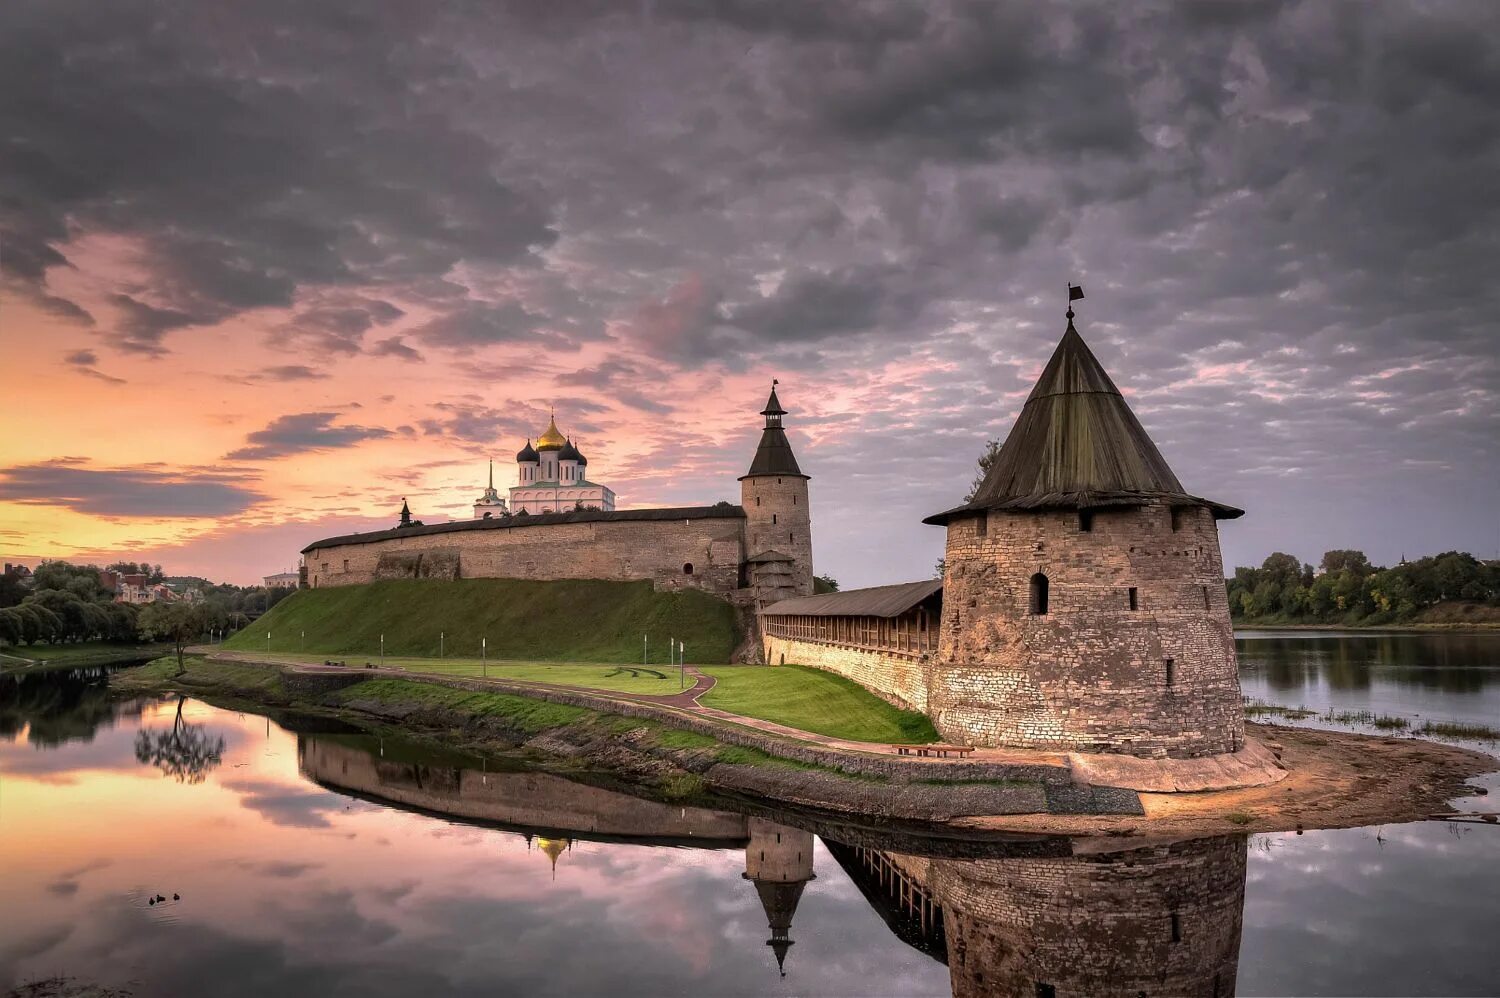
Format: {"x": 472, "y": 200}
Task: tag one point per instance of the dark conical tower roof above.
{"x": 1077, "y": 445}
{"x": 774, "y": 455}
{"x": 780, "y": 902}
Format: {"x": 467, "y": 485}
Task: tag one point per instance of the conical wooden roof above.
{"x": 1077, "y": 445}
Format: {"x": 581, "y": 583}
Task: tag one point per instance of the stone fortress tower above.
{"x": 778, "y": 522}
{"x": 1083, "y": 600}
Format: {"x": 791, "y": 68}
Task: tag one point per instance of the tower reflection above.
{"x": 1159, "y": 921}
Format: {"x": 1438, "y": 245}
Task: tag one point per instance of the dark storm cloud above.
{"x": 301, "y": 432}
{"x": 249, "y": 153}
{"x": 148, "y": 490}
{"x": 1284, "y": 214}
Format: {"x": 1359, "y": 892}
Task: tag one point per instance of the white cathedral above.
{"x": 552, "y": 478}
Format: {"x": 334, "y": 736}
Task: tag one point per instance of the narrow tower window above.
{"x": 1176, "y": 928}
{"x": 1205, "y": 596}
{"x": 981, "y": 525}
{"x": 1039, "y": 593}
{"x": 687, "y": 568}
{"x": 773, "y": 519}
{"x": 1171, "y": 670}
{"x": 1085, "y": 520}
{"x": 1134, "y": 601}
{"x": 1176, "y": 518}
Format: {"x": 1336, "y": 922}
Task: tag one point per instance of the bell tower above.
{"x": 778, "y": 523}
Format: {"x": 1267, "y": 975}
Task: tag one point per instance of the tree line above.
{"x": 1346, "y": 589}
{"x": 66, "y": 603}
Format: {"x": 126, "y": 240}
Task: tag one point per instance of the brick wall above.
{"x": 1090, "y": 674}
{"x": 625, "y": 550}
{"x": 899, "y": 680}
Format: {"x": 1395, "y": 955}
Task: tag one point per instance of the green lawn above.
{"x": 571, "y": 620}
{"x": 815, "y": 701}
{"x": 656, "y": 679}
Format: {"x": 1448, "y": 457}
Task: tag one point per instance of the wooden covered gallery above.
{"x": 898, "y": 620}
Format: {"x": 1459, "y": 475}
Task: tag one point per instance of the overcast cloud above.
{"x": 1284, "y": 215}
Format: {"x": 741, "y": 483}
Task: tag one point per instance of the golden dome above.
{"x": 554, "y": 848}
{"x": 551, "y": 439}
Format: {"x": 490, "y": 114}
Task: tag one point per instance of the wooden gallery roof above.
{"x": 1077, "y": 445}
{"x": 878, "y": 601}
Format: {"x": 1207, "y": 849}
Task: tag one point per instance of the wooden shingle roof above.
{"x": 1077, "y": 445}
{"x": 877, "y": 601}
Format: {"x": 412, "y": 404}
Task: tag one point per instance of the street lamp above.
{"x": 644, "y": 642}
{"x": 268, "y": 642}
{"x": 382, "y": 651}
{"x": 484, "y": 657}
{"x": 440, "y": 645}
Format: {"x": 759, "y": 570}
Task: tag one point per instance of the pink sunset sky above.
{"x": 269, "y": 271}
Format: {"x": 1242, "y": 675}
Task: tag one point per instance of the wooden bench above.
{"x": 936, "y": 749}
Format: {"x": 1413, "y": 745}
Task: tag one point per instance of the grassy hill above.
{"x": 573, "y": 620}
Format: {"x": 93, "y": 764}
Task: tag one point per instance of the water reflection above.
{"x": 321, "y": 862}
{"x": 1430, "y": 674}
{"x": 59, "y": 706}
{"x": 1044, "y": 921}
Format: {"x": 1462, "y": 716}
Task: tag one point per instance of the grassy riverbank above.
{"x": 794, "y": 695}
{"x": 570, "y": 620}
{"x": 75, "y": 656}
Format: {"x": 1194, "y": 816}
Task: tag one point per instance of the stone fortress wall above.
{"x": 900, "y": 680}
{"x": 697, "y": 551}
{"x": 1134, "y": 652}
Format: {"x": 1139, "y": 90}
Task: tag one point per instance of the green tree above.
{"x": 986, "y": 461}
{"x": 1346, "y": 560}
{"x": 179, "y": 623}
{"x": 824, "y": 584}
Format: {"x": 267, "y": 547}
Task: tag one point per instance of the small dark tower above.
{"x": 778, "y": 523}
{"x": 405, "y": 515}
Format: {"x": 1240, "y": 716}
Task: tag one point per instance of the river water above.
{"x": 295, "y": 857}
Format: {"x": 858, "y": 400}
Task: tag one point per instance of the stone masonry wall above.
{"x": 1091, "y": 674}
{"x": 626, "y": 550}
{"x": 1159, "y": 921}
{"x": 777, "y": 518}
{"x": 898, "y": 680}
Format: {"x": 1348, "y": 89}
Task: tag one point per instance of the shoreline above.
{"x": 1476, "y": 627}
{"x": 1334, "y": 779}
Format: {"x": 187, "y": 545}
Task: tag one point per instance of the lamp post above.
{"x": 268, "y": 642}
{"x": 441, "y": 636}
{"x": 302, "y": 642}
{"x": 382, "y": 651}
{"x": 644, "y": 642}
{"x": 484, "y": 657}
{"x": 682, "y": 661}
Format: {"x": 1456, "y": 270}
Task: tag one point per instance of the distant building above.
{"x": 490, "y": 504}
{"x": 282, "y": 580}
{"x": 553, "y": 478}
